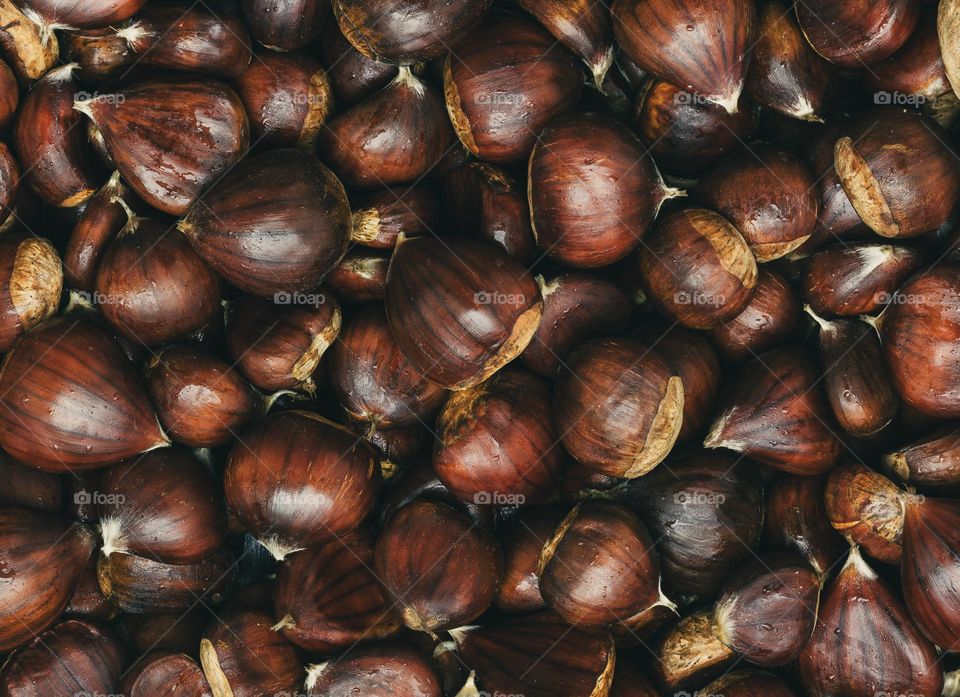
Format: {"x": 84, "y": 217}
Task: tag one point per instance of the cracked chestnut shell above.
{"x": 867, "y": 509}
{"x": 376, "y": 670}
{"x": 855, "y": 34}
{"x": 31, "y": 280}
{"x": 285, "y": 26}
{"x": 618, "y": 406}
{"x": 479, "y": 281}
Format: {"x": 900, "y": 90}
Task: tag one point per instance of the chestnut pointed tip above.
{"x": 314, "y": 671}
{"x": 111, "y": 532}
{"x": 286, "y": 622}
{"x": 601, "y": 67}
{"x": 133, "y": 34}
{"x": 278, "y": 549}
{"x": 730, "y": 102}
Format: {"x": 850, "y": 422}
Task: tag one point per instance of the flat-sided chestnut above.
{"x": 868, "y": 509}
{"x": 796, "y": 518}
{"x": 375, "y": 670}
{"x": 285, "y": 26}
{"x": 851, "y": 34}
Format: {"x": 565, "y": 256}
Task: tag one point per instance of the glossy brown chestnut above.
{"x": 418, "y": 482}
{"x": 691, "y": 653}
{"x": 508, "y": 80}
{"x": 162, "y": 505}
{"x": 917, "y": 68}
{"x": 583, "y": 27}
{"x": 102, "y": 220}
{"x": 71, "y": 658}
{"x": 297, "y": 479}
{"x": 837, "y": 217}
{"x": 242, "y": 656}
{"x": 372, "y": 379}
{"x": 86, "y": 601}
{"x": 25, "y": 486}
{"x": 102, "y": 411}
{"x": 586, "y": 157}
{"x": 864, "y": 642}
{"x": 898, "y": 173}
{"x": 796, "y": 518}
{"x": 29, "y": 48}
{"x": 354, "y": 76}
{"x": 776, "y": 413}
{"x": 278, "y": 345}
{"x": 768, "y": 194}
{"x": 57, "y": 163}
{"x": 43, "y": 558}
{"x": 100, "y": 54}
{"x": 697, "y": 269}
{"x": 868, "y": 509}
{"x": 327, "y": 597}
{"x": 599, "y": 566}
{"x": 702, "y": 47}
{"x": 522, "y": 540}
{"x": 31, "y": 280}
{"x": 686, "y": 134}
{"x": 853, "y": 35}
{"x": 715, "y": 493}
{"x": 169, "y": 138}
{"x": 170, "y": 673}
{"x": 930, "y": 462}
{"x": 381, "y": 217}
{"x": 83, "y": 13}
{"x": 9, "y": 96}
{"x": 375, "y": 670}
{"x": 919, "y": 334}
{"x": 285, "y": 26}
{"x": 478, "y": 280}
{"x": 9, "y": 183}
{"x": 361, "y": 276}
{"x": 439, "y": 566}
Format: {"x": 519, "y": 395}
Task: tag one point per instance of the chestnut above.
{"x": 327, "y": 597}
{"x": 479, "y": 281}
{"x": 768, "y": 194}
{"x": 691, "y": 653}
{"x": 102, "y": 411}
{"x": 796, "y": 518}
{"x": 83, "y": 13}
{"x": 507, "y": 81}
{"x": 375, "y": 670}
{"x": 417, "y": 481}
{"x": 702, "y": 47}
{"x": 100, "y": 54}
{"x": 9, "y": 96}
{"x": 776, "y": 413}
{"x": 43, "y": 559}
{"x": 917, "y": 68}
{"x": 166, "y": 672}
{"x": 31, "y": 488}
{"x": 868, "y": 509}
{"x": 171, "y": 139}
{"x": 162, "y": 505}
{"x": 285, "y": 26}
{"x": 583, "y": 27}
{"x": 898, "y": 173}
{"x": 242, "y": 656}
{"x": 853, "y": 35}
{"x": 381, "y": 217}
{"x": 360, "y": 277}
{"x": 590, "y": 157}
{"x": 9, "y": 184}
{"x": 618, "y": 406}
{"x": 102, "y": 220}
{"x": 931, "y": 462}
{"x": 440, "y": 567}
{"x": 31, "y": 280}
{"x": 697, "y": 269}
{"x": 296, "y": 479}
{"x": 86, "y": 601}
{"x": 837, "y": 217}
{"x": 354, "y": 76}
{"x": 522, "y": 540}
{"x": 30, "y": 48}
{"x": 864, "y": 642}
{"x": 948, "y": 26}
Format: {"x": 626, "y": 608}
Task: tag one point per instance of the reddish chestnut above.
{"x": 361, "y": 276}
{"x": 100, "y": 53}
{"x": 285, "y": 26}
{"x": 796, "y": 518}
{"x": 381, "y": 217}
{"x": 522, "y": 540}
{"x": 853, "y": 34}
{"x": 9, "y": 96}
{"x": 9, "y": 183}
{"x": 102, "y": 220}
{"x": 583, "y": 27}
{"x": 932, "y": 461}
{"x": 868, "y": 509}
{"x": 376, "y": 670}
{"x": 917, "y": 68}
{"x": 83, "y": 13}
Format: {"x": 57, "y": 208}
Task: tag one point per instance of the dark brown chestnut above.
{"x": 100, "y": 54}
{"x": 102, "y": 411}
{"x": 354, "y": 76}
{"x": 697, "y": 269}
{"x": 42, "y": 560}
{"x": 702, "y": 47}
{"x": 297, "y": 479}
{"x": 159, "y": 673}
{"x": 179, "y": 631}
{"x": 768, "y": 194}
{"x": 931, "y": 462}
{"x": 169, "y": 138}
{"x": 9, "y": 96}
{"x": 242, "y": 656}
{"x": 381, "y": 217}
{"x": 586, "y": 157}
{"x": 853, "y": 35}
{"x": 865, "y": 644}
{"x": 439, "y": 566}
{"x": 102, "y": 220}
{"x": 327, "y": 596}
{"x": 31, "y": 280}
{"x": 618, "y": 406}
{"x": 29, "y": 48}
{"x": 837, "y": 217}
{"x": 916, "y": 70}
{"x": 776, "y": 413}
{"x": 286, "y": 26}
{"x": 583, "y": 27}
{"x": 9, "y": 183}
{"x": 796, "y": 518}
{"x": 522, "y": 540}
{"x": 375, "y": 670}
{"x": 278, "y": 345}
{"x": 867, "y": 509}
{"x": 361, "y": 276}
{"x": 507, "y": 81}
{"x": 479, "y": 281}
{"x": 25, "y": 486}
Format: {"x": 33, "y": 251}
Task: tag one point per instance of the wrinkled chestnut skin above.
{"x": 376, "y": 670}
{"x": 702, "y": 47}
{"x": 166, "y": 673}
{"x": 864, "y": 642}
{"x": 512, "y": 55}
{"x": 690, "y": 653}
{"x": 84, "y": 13}
{"x": 31, "y": 280}
{"x": 576, "y": 307}
{"x": 919, "y": 335}
{"x": 440, "y": 567}
{"x": 696, "y": 268}
{"x": 163, "y": 505}
{"x": 522, "y": 539}
{"x": 768, "y": 194}
{"x": 360, "y": 277}
{"x": 749, "y": 684}
{"x": 102, "y": 220}
{"x": 381, "y": 217}
{"x": 327, "y": 597}
{"x": 933, "y": 462}
{"x": 538, "y": 656}
{"x": 43, "y": 558}
{"x": 796, "y": 518}
{"x": 103, "y": 414}
{"x": 686, "y": 135}
{"x": 585, "y": 157}
{"x": 478, "y": 280}
{"x": 275, "y": 224}
{"x": 285, "y": 26}
{"x": 853, "y": 34}
{"x": 599, "y": 566}
{"x": 498, "y": 438}
{"x": 153, "y": 286}
{"x": 398, "y": 31}
{"x": 775, "y": 412}
{"x": 71, "y": 658}
{"x": 868, "y": 509}
{"x": 199, "y": 126}
{"x": 771, "y": 318}
{"x": 898, "y": 173}
{"x": 618, "y": 406}
{"x": 241, "y": 655}
{"x": 57, "y": 163}
{"x": 200, "y": 400}
{"x": 717, "y": 495}
{"x": 354, "y": 76}
{"x": 25, "y": 486}
{"x": 298, "y": 479}
{"x": 857, "y": 279}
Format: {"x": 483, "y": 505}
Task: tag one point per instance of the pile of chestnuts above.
{"x": 475, "y": 348}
